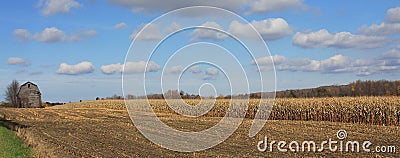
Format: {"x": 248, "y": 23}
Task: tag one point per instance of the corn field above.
{"x": 368, "y": 110}
{"x": 365, "y": 110}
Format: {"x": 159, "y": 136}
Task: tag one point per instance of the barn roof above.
{"x": 25, "y": 85}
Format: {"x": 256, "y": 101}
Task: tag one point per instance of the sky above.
{"x": 78, "y": 49}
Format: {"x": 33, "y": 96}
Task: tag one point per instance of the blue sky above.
{"x": 76, "y": 49}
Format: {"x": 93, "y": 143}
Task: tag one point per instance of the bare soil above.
{"x": 102, "y": 132}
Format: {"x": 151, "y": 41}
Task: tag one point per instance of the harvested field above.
{"x": 363, "y": 110}
{"x": 86, "y": 130}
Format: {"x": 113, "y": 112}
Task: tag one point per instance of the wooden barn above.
{"x": 29, "y": 96}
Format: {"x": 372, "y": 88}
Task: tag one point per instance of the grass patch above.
{"x": 11, "y": 145}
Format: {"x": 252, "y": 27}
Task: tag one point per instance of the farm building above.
{"x": 29, "y": 96}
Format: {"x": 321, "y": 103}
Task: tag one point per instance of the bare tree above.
{"x": 11, "y": 93}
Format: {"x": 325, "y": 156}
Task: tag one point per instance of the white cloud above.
{"x": 211, "y": 74}
{"x": 78, "y": 69}
{"x": 141, "y": 66}
{"x": 392, "y": 53}
{"x": 131, "y": 67}
{"x": 173, "y": 27}
{"x": 324, "y": 39}
{"x": 195, "y": 69}
{"x": 381, "y": 29}
{"x": 284, "y": 64}
{"x": 391, "y": 57}
{"x": 212, "y": 71}
{"x": 22, "y": 35}
{"x": 18, "y": 61}
{"x": 152, "y": 32}
{"x": 208, "y": 31}
{"x": 269, "y": 29}
{"x": 175, "y": 69}
{"x": 179, "y": 69}
{"x": 335, "y": 64}
{"x": 393, "y": 15}
{"x": 391, "y": 24}
{"x": 52, "y": 7}
{"x": 51, "y": 35}
{"x": 267, "y": 60}
{"x": 273, "y": 5}
{"x": 111, "y": 69}
{"x": 120, "y": 25}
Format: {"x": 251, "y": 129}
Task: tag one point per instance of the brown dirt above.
{"x": 102, "y": 132}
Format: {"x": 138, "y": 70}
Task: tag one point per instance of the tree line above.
{"x": 357, "y": 88}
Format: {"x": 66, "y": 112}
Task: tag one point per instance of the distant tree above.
{"x": 97, "y": 98}
{"x": 398, "y": 90}
{"x": 115, "y": 97}
{"x": 11, "y": 93}
{"x": 4, "y": 104}
{"x": 130, "y": 96}
{"x": 292, "y": 95}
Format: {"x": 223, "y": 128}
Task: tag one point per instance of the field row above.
{"x": 366, "y": 110}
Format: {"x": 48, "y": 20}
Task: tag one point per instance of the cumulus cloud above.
{"x": 269, "y": 29}
{"x": 152, "y": 32}
{"x": 257, "y": 6}
{"x": 209, "y": 32}
{"x": 18, "y": 61}
{"x": 111, "y": 69}
{"x": 284, "y": 64}
{"x": 391, "y": 57}
{"x": 175, "y": 69}
{"x": 324, "y": 39}
{"x": 78, "y": 69}
{"x": 267, "y": 60}
{"x": 51, "y": 35}
{"x": 393, "y": 15}
{"x": 179, "y": 69}
{"x": 141, "y": 66}
{"x": 393, "y": 53}
{"x": 381, "y": 29}
{"x": 131, "y": 67}
{"x": 173, "y": 27}
{"x": 195, "y": 69}
{"x": 120, "y": 25}
{"x": 337, "y": 63}
{"x": 390, "y": 61}
{"x": 391, "y": 24}
{"x": 22, "y": 35}
{"x": 52, "y": 7}
{"x": 211, "y": 74}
